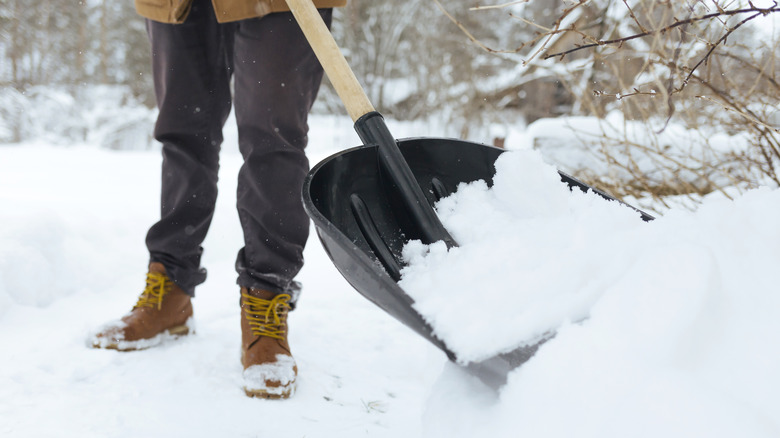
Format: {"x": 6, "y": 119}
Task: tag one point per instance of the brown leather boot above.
{"x": 163, "y": 312}
{"x": 269, "y": 368}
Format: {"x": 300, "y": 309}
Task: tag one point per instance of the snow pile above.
{"x": 60, "y": 228}
{"x": 665, "y": 328}
{"x": 516, "y": 240}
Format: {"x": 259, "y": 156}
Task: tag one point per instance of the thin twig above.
{"x": 501, "y": 6}
{"x": 470, "y": 36}
{"x": 633, "y": 17}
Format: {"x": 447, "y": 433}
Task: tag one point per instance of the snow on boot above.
{"x": 269, "y": 368}
{"x": 163, "y": 312}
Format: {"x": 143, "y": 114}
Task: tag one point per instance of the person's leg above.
{"x": 191, "y": 72}
{"x": 192, "y": 68}
{"x": 277, "y": 77}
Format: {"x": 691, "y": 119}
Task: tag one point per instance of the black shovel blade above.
{"x": 363, "y": 228}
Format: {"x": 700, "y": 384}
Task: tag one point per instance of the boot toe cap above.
{"x": 272, "y": 379}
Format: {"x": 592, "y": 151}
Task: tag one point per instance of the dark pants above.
{"x": 276, "y": 81}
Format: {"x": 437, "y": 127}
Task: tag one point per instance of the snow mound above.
{"x": 664, "y": 328}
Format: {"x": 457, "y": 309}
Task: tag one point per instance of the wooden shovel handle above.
{"x": 331, "y": 58}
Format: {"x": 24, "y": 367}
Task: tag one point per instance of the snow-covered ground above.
{"x": 72, "y": 224}
{"x": 679, "y": 340}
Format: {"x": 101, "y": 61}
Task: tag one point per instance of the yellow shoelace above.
{"x": 157, "y": 286}
{"x": 267, "y": 317}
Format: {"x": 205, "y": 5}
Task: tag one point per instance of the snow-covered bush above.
{"x": 630, "y": 160}
{"x": 108, "y": 116}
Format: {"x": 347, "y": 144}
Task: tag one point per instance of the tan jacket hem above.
{"x": 176, "y": 11}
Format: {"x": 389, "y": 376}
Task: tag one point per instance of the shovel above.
{"x": 367, "y": 202}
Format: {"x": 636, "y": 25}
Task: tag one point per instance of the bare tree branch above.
{"x": 757, "y": 11}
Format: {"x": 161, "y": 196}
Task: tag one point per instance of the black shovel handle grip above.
{"x": 372, "y": 130}
{"x": 333, "y": 62}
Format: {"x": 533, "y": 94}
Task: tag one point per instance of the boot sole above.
{"x": 259, "y": 393}
{"x": 170, "y": 334}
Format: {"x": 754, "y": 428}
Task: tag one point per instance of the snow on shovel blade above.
{"x": 363, "y": 229}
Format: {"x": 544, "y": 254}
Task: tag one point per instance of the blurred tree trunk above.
{"x": 82, "y": 45}
{"x": 14, "y": 39}
{"x": 103, "y": 43}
